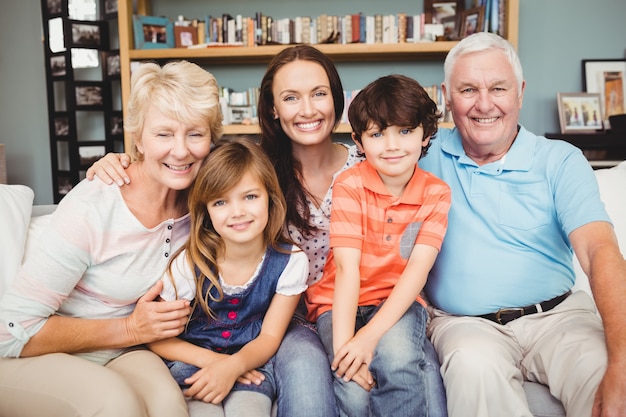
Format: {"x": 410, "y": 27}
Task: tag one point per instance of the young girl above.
{"x": 244, "y": 275}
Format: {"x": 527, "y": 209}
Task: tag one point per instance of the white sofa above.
{"x": 21, "y": 223}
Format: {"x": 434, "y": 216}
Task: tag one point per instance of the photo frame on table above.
{"x": 153, "y": 32}
{"x": 608, "y": 78}
{"x": 88, "y": 34}
{"x": 580, "y": 112}
{"x": 471, "y": 21}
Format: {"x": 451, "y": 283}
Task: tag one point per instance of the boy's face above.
{"x": 393, "y": 152}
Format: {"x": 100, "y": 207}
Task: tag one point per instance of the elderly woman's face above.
{"x": 173, "y": 151}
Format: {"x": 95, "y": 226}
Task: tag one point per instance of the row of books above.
{"x": 353, "y": 28}
{"x": 240, "y": 107}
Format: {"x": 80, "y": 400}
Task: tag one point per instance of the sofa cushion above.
{"x": 16, "y": 203}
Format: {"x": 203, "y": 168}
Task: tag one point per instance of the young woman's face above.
{"x": 240, "y": 215}
{"x": 303, "y": 102}
{"x": 173, "y": 152}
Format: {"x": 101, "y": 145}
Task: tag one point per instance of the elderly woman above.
{"x": 74, "y": 319}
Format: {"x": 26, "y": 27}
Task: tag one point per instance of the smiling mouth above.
{"x": 240, "y": 226}
{"x": 309, "y": 125}
{"x": 178, "y": 167}
{"x": 486, "y": 121}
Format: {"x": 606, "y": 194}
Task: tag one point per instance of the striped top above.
{"x": 384, "y": 227}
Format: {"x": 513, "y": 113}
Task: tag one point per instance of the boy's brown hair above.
{"x": 393, "y": 100}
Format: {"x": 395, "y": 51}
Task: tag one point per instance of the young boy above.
{"x": 387, "y": 224}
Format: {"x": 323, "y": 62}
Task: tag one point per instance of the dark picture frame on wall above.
{"x": 153, "y": 32}
{"x": 89, "y": 95}
{"x": 580, "y": 112}
{"x": 108, "y": 9}
{"x": 58, "y": 66}
{"x": 471, "y": 21}
{"x": 61, "y": 125}
{"x": 90, "y": 153}
{"x": 115, "y": 124}
{"x": 88, "y": 35}
{"x": 54, "y": 8}
{"x": 110, "y": 62}
{"x": 606, "y": 77}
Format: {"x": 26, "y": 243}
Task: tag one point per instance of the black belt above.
{"x": 505, "y": 315}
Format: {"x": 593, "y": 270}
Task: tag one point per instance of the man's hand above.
{"x": 610, "y": 398}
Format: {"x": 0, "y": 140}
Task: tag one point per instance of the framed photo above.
{"x": 608, "y": 78}
{"x": 108, "y": 8}
{"x": 90, "y": 154}
{"x": 115, "y": 124}
{"x": 152, "y": 32}
{"x": 89, "y": 95}
{"x": 185, "y": 36}
{"x": 435, "y": 11}
{"x": 471, "y": 21}
{"x": 56, "y": 7}
{"x": 111, "y": 65}
{"x": 450, "y": 29}
{"x": 580, "y": 112}
{"x": 90, "y": 35}
{"x": 61, "y": 126}
{"x": 58, "y": 66}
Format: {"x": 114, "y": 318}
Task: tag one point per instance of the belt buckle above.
{"x": 507, "y": 311}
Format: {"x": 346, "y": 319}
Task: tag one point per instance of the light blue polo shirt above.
{"x": 507, "y": 241}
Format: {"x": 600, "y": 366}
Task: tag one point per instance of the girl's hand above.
{"x": 212, "y": 383}
{"x": 155, "y": 320}
{"x": 110, "y": 168}
{"x": 251, "y": 377}
{"x": 364, "y": 378}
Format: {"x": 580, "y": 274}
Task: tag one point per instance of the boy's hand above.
{"x": 351, "y": 356}
{"x": 251, "y": 377}
{"x": 364, "y": 378}
{"x": 110, "y": 168}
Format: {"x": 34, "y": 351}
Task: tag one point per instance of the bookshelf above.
{"x": 243, "y": 55}
{"x": 603, "y": 149}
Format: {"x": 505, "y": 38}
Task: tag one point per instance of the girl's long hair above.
{"x": 225, "y": 166}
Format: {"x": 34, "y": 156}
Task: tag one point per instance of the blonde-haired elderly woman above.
{"x": 74, "y": 319}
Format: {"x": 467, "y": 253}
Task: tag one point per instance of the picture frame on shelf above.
{"x": 89, "y": 95}
{"x": 450, "y": 27}
{"x": 153, "y": 32}
{"x": 436, "y": 10}
{"x": 471, "y": 21}
{"x": 580, "y": 112}
{"x": 88, "y": 35}
{"x": 608, "y": 78}
{"x": 185, "y": 36}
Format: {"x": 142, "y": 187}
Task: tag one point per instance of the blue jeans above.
{"x": 303, "y": 378}
{"x": 406, "y": 383}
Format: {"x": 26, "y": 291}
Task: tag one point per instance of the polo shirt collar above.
{"x": 413, "y": 193}
{"x": 518, "y": 158}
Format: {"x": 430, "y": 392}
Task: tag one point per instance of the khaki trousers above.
{"x": 136, "y": 384}
{"x": 483, "y": 363}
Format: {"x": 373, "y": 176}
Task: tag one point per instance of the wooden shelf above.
{"x": 243, "y": 55}
{"x": 602, "y": 148}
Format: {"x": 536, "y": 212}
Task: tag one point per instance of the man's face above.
{"x": 485, "y": 102}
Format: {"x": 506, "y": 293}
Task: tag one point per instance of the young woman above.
{"x": 244, "y": 275}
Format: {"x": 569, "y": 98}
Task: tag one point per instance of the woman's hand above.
{"x": 155, "y": 320}
{"x": 110, "y": 168}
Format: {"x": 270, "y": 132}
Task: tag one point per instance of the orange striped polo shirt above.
{"x": 384, "y": 227}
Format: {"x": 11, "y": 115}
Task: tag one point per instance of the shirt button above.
{"x": 225, "y": 334}
{"x": 169, "y": 227}
{"x": 234, "y": 301}
{"x": 232, "y": 315}
{"x": 390, "y": 220}
{"x": 388, "y": 238}
{"x": 167, "y": 240}
{"x": 167, "y": 254}
{"x": 11, "y": 324}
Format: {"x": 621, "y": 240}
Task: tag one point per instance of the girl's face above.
{"x": 303, "y": 102}
{"x": 173, "y": 152}
{"x": 240, "y": 215}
